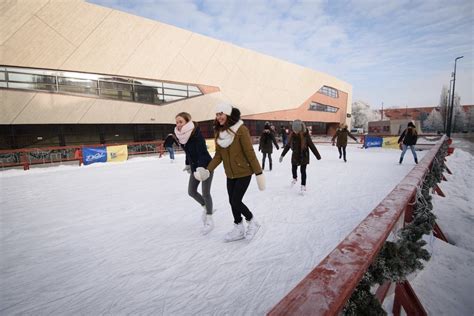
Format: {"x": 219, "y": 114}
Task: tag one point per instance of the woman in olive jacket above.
{"x": 234, "y": 148}
{"x": 341, "y": 134}
{"x": 300, "y": 143}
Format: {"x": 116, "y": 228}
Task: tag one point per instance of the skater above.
{"x": 267, "y": 140}
{"x": 234, "y": 148}
{"x": 300, "y": 142}
{"x": 168, "y": 144}
{"x": 194, "y": 145}
{"x": 284, "y": 135}
{"x": 341, "y": 134}
{"x": 408, "y": 139}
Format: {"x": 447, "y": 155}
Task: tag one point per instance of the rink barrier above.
{"x": 327, "y": 288}
{"x": 27, "y": 157}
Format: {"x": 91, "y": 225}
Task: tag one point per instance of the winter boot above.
{"x": 400, "y": 162}
{"x": 293, "y": 182}
{"x": 252, "y": 229}
{"x": 208, "y": 225}
{"x": 416, "y": 160}
{"x": 237, "y": 233}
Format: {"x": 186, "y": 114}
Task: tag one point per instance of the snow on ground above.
{"x": 125, "y": 238}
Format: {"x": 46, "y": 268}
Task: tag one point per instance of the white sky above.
{"x": 400, "y": 53}
{"x": 124, "y": 238}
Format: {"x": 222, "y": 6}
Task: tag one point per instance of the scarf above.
{"x": 185, "y": 133}
{"x": 225, "y": 138}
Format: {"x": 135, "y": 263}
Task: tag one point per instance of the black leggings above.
{"x": 294, "y": 168}
{"x": 269, "y": 159}
{"x": 343, "y": 151}
{"x": 236, "y": 189}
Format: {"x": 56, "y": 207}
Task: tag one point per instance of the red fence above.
{"x": 26, "y": 157}
{"x": 326, "y": 289}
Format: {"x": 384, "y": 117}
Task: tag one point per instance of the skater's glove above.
{"x": 187, "y": 168}
{"x": 281, "y": 159}
{"x": 260, "y": 181}
{"x": 278, "y": 147}
{"x": 201, "y": 174}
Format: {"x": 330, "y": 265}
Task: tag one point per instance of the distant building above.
{"x": 73, "y": 73}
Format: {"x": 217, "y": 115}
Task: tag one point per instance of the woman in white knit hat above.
{"x": 234, "y": 148}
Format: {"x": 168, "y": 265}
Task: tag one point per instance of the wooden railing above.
{"x": 326, "y": 289}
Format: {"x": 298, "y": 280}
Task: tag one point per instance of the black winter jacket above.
{"x": 267, "y": 140}
{"x": 409, "y": 137}
{"x": 196, "y": 151}
{"x": 299, "y": 156}
{"x": 169, "y": 141}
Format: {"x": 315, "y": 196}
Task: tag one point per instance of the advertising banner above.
{"x": 390, "y": 142}
{"x": 94, "y": 154}
{"x": 373, "y": 141}
{"x": 117, "y": 153}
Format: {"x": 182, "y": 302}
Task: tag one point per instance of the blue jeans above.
{"x": 404, "y": 150}
{"x": 171, "y": 151}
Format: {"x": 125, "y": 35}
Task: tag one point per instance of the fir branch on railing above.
{"x": 398, "y": 259}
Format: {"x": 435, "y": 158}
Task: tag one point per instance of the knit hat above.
{"x": 298, "y": 126}
{"x": 225, "y": 108}
{"x": 410, "y": 124}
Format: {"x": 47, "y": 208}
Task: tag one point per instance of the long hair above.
{"x": 302, "y": 136}
{"x": 411, "y": 131}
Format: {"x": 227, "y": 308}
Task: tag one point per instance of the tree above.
{"x": 444, "y": 105}
{"x": 362, "y": 114}
{"x": 459, "y": 116}
{"x": 434, "y": 122}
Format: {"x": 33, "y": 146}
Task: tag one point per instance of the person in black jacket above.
{"x": 267, "y": 140}
{"x": 197, "y": 156}
{"x": 341, "y": 140}
{"x": 408, "y": 139}
{"x": 168, "y": 144}
{"x": 300, "y": 143}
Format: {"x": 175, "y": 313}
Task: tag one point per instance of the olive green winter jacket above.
{"x": 239, "y": 158}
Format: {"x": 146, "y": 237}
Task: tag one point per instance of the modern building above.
{"x": 73, "y": 73}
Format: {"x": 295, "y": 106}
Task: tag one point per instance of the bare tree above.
{"x": 362, "y": 114}
{"x": 434, "y": 122}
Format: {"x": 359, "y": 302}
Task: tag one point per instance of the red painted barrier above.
{"x": 326, "y": 289}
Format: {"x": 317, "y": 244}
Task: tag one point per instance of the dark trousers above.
{"x": 269, "y": 159}
{"x": 236, "y": 189}
{"x": 294, "y": 168}
{"x": 342, "y": 151}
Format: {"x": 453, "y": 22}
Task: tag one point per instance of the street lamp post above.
{"x": 450, "y": 117}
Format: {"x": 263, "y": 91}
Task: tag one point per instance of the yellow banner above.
{"x": 211, "y": 145}
{"x": 117, "y": 153}
{"x": 390, "y": 142}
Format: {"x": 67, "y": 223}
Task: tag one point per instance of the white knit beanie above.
{"x": 225, "y": 108}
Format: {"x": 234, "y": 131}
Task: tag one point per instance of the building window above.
{"x": 102, "y": 86}
{"x": 314, "y": 106}
{"x": 330, "y": 92}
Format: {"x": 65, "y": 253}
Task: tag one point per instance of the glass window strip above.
{"x": 314, "y": 106}
{"x": 91, "y": 84}
{"x": 331, "y": 92}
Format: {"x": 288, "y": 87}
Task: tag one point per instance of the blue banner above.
{"x": 94, "y": 154}
{"x": 373, "y": 141}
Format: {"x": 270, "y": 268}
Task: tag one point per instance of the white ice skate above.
{"x": 293, "y": 182}
{"x": 208, "y": 225}
{"x": 303, "y": 190}
{"x": 252, "y": 229}
{"x": 204, "y": 214}
{"x": 237, "y": 233}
